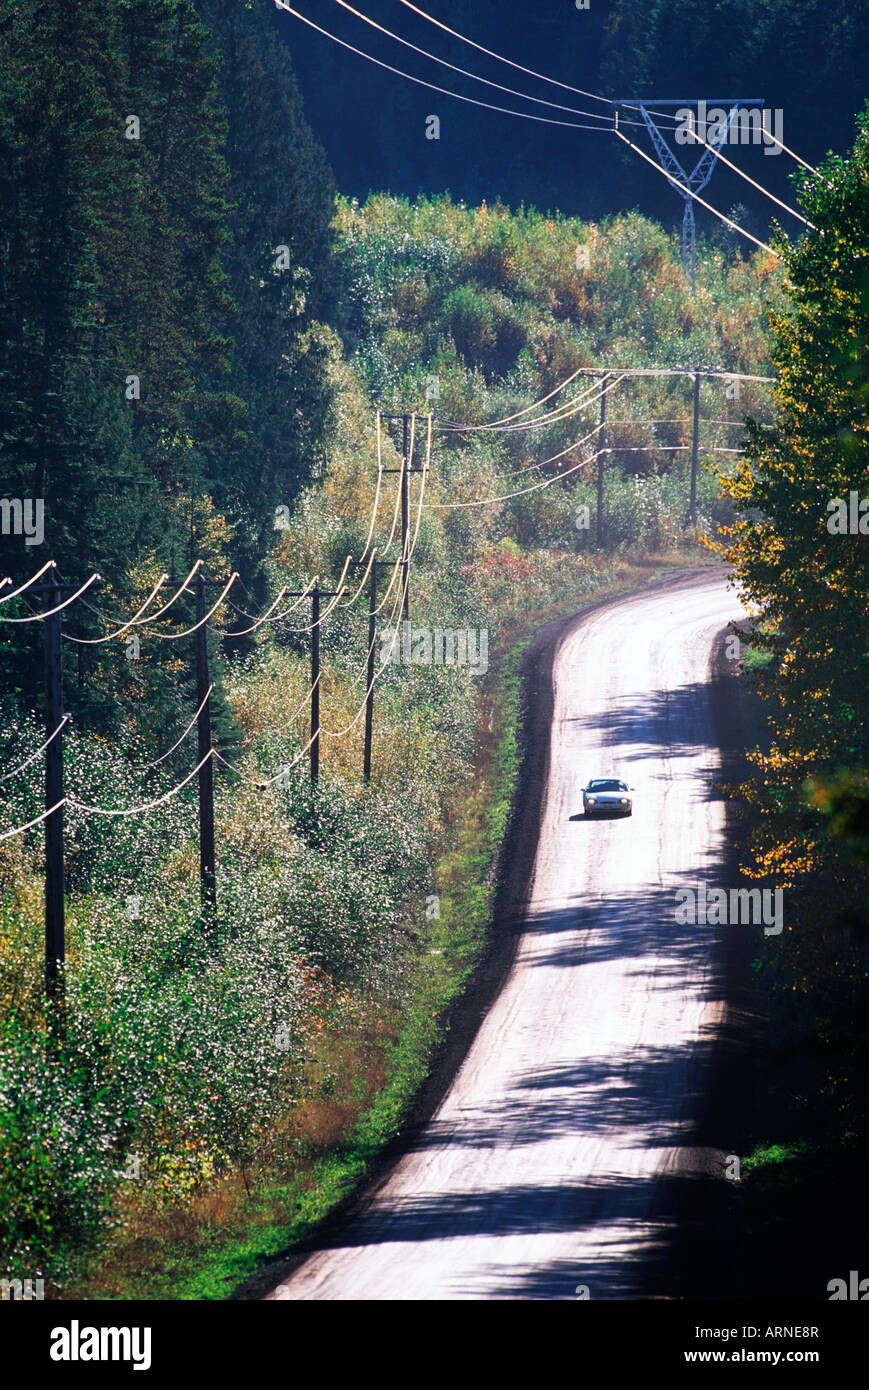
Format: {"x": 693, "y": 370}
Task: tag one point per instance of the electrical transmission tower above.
{"x": 698, "y": 178}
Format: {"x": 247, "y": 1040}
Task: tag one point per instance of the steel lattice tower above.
{"x": 698, "y": 178}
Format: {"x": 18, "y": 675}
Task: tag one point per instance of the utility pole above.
{"x": 369, "y": 689}
{"x": 405, "y": 472}
{"x": 372, "y": 634}
{"x": 315, "y": 683}
{"x": 601, "y": 445}
{"x": 405, "y": 517}
{"x": 55, "y": 986}
{"x": 207, "y": 864}
{"x": 55, "y": 923}
{"x": 315, "y": 594}
{"x": 695, "y": 449}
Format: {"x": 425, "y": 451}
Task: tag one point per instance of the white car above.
{"x": 607, "y": 796}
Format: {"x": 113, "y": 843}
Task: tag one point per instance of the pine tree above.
{"x": 110, "y": 269}
{"x": 278, "y": 263}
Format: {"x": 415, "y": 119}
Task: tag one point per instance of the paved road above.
{"x": 554, "y": 1160}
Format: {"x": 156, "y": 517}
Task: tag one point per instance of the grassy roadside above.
{"x": 206, "y": 1248}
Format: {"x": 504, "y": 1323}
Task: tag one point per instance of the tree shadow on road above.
{"x": 677, "y": 719}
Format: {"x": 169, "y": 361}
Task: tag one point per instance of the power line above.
{"x": 235, "y": 772}
{"x": 399, "y": 601}
{"x": 258, "y": 782}
{"x": 530, "y": 72}
{"x": 398, "y": 494}
{"x": 630, "y": 448}
{"x": 532, "y": 467}
{"x": 547, "y": 482}
{"x": 374, "y": 610}
{"x": 555, "y": 457}
{"x": 790, "y": 152}
{"x": 444, "y": 91}
{"x": 408, "y": 436}
{"x": 289, "y": 719}
{"x": 681, "y": 420}
{"x": 138, "y": 622}
{"x": 564, "y": 411}
{"x": 494, "y": 424}
{"x": 40, "y": 617}
{"x": 489, "y": 53}
{"x": 32, "y": 580}
{"x": 679, "y": 371}
{"x": 309, "y": 627}
{"x": 171, "y": 750}
{"x": 686, "y": 192}
{"x": 348, "y": 603}
{"x": 396, "y": 570}
{"x": 406, "y": 466}
{"x": 316, "y": 729}
{"x": 96, "y": 641}
{"x": 27, "y": 761}
{"x": 261, "y": 784}
{"x": 176, "y": 636}
{"x": 593, "y": 395}
{"x": 340, "y": 733}
{"x": 152, "y": 618}
{"x": 511, "y": 91}
{"x": 689, "y": 193}
{"x": 19, "y": 829}
{"x": 149, "y": 805}
{"x": 696, "y": 135}
{"x": 267, "y": 616}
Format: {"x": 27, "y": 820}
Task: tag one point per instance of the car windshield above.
{"x": 606, "y": 785}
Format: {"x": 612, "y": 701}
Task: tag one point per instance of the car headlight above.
{"x": 626, "y": 801}
{"x": 592, "y": 800}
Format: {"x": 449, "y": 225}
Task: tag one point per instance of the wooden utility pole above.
{"x": 369, "y": 689}
{"x": 55, "y": 987}
{"x": 405, "y": 518}
{"x": 372, "y": 636}
{"x": 55, "y": 923}
{"x": 315, "y": 683}
{"x": 601, "y": 446}
{"x": 405, "y": 472}
{"x": 695, "y": 450}
{"x": 315, "y": 594}
{"x": 207, "y": 861}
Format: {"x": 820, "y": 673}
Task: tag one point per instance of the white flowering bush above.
{"x": 184, "y": 1046}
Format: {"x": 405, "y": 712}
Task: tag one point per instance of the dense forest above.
{"x": 199, "y": 324}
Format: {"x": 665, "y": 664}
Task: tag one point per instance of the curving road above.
{"x": 553, "y": 1165}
